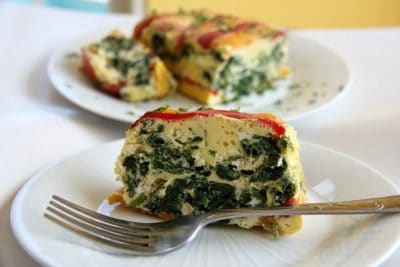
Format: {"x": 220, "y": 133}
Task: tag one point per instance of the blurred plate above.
{"x": 319, "y": 77}
{"x": 341, "y": 240}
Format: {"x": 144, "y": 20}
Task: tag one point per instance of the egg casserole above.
{"x": 216, "y": 58}
{"x": 125, "y": 68}
{"x": 175, "y": 163}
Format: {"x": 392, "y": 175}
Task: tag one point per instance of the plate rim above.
{"x": 26, "y": 242}
{"x": 101, "y": 112}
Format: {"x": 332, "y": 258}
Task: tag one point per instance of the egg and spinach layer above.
{"x": 216, "y": 58}
{"x": 127, "y": 69}
{"x": 179, "y": 163}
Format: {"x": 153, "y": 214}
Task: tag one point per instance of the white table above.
{"x": 38, "y": 126}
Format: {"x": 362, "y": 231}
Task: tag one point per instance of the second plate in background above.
{"x": 319, "y": 76}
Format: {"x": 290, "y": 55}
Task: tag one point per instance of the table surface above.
{"x": 38, "y": 126}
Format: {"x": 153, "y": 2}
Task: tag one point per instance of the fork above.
{"x": 159, "y": 238}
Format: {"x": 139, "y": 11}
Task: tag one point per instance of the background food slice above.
{"x": 211, "y": 53}
{"x": 126, "y": 69}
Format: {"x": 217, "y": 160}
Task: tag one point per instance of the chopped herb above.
{"x": 203, "y": 171}
{"x": 315, "y": 94}
{"x": 213, "y": 195}
{"x": 236, "y": 79}
{"x": 162, "y": 109}
{"x": 130, "y": 112}
{"x": 204, "y": 108}
{"x": 275, "y": 229}
{"x": 158, "y": 43}
{"x": 217, "y": 55}
{"x": 186, "y": 50}
{"x": 139, "y": 200}
{"x": 158, "y": 184}
{"x": 115, "y": 44}
{"x": 199, "y": 17}
{"x": 244, "y": 199}
{"x": 268, "y": 172}
{"x": 277, "y": 103}
{"x": 341, "y": 87}
{"x": 142, "y": 77}
{"x": 149, "y": 126}
{"x": 212, "y": 152}
{"x": 171, "y": 159}
{"x": 261, "y": 195}
{"x": 227, "y": 170}
{"x": 259, "y": 145}
{"x": 283, "y": 143}
{"x": 72, "y": 55}
{"x": 184, "y": 109}
{"x": 172, "y": 201}
{"x": 197, "y": 139}
{"x": 312, "y": 101}
{"x": 155, "y": 140}
{"x": 273, "y": 165}
{"x": 294, "y": 86}
{"x": 246, "y": 172}
{"x": 137, "y": 167}
{"x": 207, "y": 76}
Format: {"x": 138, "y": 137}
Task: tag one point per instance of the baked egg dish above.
{"x": 176, "y": 163}
{"x": 127, "y": 69}
{"x": 216, "y": 58}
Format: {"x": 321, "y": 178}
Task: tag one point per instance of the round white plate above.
{"x": 319, "y": 76}
{"x": 87, "y": 178}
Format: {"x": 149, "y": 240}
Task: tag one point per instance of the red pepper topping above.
{"x": 290, "y": 202}
{"x": 180, "y": 41}
{"x": 208, "y": 38}
{"x": 243, "y": 26}
{"x": 277, "y": 126}
{"x": 278, "y": 34}
{"x": 114, "y": 88}
{"x": 143, "y": 24}
{"x": 87, "y": 66}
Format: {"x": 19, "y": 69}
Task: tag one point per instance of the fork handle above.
{"x": 390, "y": 204}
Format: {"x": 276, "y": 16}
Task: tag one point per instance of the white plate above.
{"x": 319, "y": 77}
{"x": 87, "y": 178}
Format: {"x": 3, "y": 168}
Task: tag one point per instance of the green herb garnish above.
{"x": 294, "y": 86}
{"x": 162, "y": 109}
{"x": 277, "y": 103}
{"x": 183, "y": 109}
{"x": 72, "y": 55}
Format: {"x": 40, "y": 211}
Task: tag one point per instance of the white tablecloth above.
{"x": 38, "y": 126}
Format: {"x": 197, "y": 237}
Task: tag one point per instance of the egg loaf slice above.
{"x": 216, "y": 58}
{"x": 127, "y": 69}
{"x": 179, "y": 163}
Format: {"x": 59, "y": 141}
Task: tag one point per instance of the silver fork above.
{"x": 159, "y": 238}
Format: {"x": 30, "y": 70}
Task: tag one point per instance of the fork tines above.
{"x": 112, "y": 231}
